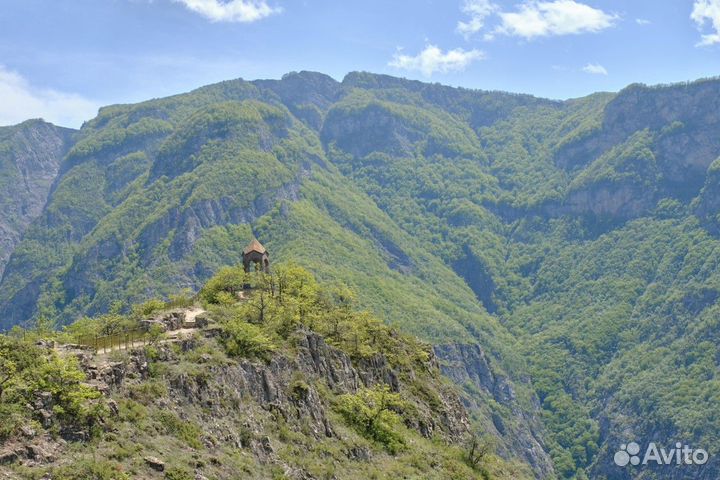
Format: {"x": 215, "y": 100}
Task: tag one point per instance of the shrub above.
{"x": 132, "y": 411}
{"x": 148, "y": 308}
{"x": 63, "y": 378}
{"x": 185, "y": 430}
{"x": 242, "y": 339}
{"x": 178, "y": 473}
{"x": 182, "y": 300}
{"x": 371, "y": 413}
{"x": 227, "y": 279}
{"x": 148, "y": 391}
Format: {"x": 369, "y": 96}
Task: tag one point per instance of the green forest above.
{"x": 572, "y": 242}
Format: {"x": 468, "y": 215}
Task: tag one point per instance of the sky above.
{"x": 62, "y": 59}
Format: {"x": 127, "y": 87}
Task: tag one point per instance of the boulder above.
{"x": 155, "y": 463}
{"x": 7, "y": 456}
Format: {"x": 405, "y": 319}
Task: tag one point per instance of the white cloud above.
{"x": 707, "y": 11}
{"x": 642, "y": 21}
{"x": 558, "y": 17}
{"x": 432, "y": 60}
{"x": 478, "y": 11}
{"x": 21, "y": 101}
{"x": 232, "y": 10}
{"x": 595, "y": 69}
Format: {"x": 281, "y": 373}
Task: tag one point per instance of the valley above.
{"x": 561, "y": 257}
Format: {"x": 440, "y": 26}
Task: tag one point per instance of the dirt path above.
{"x": 186, "y": 331}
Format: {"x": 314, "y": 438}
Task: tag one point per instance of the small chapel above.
{"x": 255, "y": 254}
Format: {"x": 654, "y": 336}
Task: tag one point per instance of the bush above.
{"x": 148, "y": 391}
{"x": 242, "y": 339}
{"x": 178, "y": 473}
{"x": 148, "y": 308}
{"x": 370, "y": 413}
{"x": 26, "y": 370}
{"x": 182, "y": 300}
{"x": 184, "y": 430}
{"x": 227, "y": 279}
{"x": 73, "y": 398}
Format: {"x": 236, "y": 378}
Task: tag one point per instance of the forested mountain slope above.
{"x": 30, "y": 155}
{"x": 574, "y": 242}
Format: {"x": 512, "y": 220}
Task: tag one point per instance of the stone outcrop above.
{"x": 469, "y": 365}
{"x": 285, "y": 385}
{"x": 291, "y": 390}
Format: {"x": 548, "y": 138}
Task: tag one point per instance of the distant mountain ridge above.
{"x": 588, "y": 228}
{"x": 30, "y": 157}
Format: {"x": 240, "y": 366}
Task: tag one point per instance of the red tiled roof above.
{"x": 254, "y": 246}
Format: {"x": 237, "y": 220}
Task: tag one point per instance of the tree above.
{"x": 243, "y": 339}
{"x": 227, "y": 279}
{"x": 18, "y": 358}
{"x": 372, "y": 412}
{"x": 260, "y": 301}
{"x": 479, "y": 447}
{"x": 147, "y": 308}
{"x": 44, "y": 326}
{"x": 155, "y": 333}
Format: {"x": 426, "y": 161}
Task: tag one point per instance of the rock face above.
{"x": 235, "y": 407}
{"x": 677, "y": 128}
{"x": 308, "y": 95}
{"x": 277, "y": 386}
{"x": 467, "y": 364}
{"x": 289, "y": 388}
{"x": 30, "y": 156}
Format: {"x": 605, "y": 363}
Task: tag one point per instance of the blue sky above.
{"x": 62, "y": 59}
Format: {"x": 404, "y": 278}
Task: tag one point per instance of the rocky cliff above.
{"x": 30, "y": 157}
{"x": 183, "y": 409}
{"x": 485, "y": 387}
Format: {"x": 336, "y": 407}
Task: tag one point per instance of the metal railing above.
{"x": 116, "y": 341}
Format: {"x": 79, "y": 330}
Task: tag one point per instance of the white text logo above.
{"x": 680, "y": 455}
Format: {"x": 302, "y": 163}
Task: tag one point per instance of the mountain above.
{"x": 560, "y": 255}
{"x": 282, "y": 380}
{"x": 155, "y": 197}
{"x": 30, "y": 156}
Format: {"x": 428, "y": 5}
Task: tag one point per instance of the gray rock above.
{"x": 155, "y": 463}
{"x": 8, "y": 456}
{"x": 469, "y": 364}
{"x": 39, "y": 454}
{"x": 359, "y": 453}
